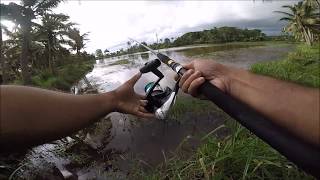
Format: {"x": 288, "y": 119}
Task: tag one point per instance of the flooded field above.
{"x": 117, "y": 144}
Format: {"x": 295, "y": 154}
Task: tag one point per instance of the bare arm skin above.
{"x": 31, "y": 116}
{"x": 289, "y": 105}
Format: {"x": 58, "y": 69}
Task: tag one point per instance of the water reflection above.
{"x": 108, "y": 75}
{"x": 145, "y": 56}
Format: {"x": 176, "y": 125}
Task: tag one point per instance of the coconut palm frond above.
{"x": 28, "y": 3}
{"x": 285, "y": 19}
{"x": 281, "y": 12}
{"x": 292, "y": 8}
{"x": 44, "y": 5}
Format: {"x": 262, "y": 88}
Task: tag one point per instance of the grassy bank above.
{"x": 64, "y": 77}
{"x": 120, "y": 62}
{"x": 301, "y": 66}
{"x": 241, "y": 155}
{"x": 238, "y": 156}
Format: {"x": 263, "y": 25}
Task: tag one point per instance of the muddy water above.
{"x": 150, "y": 142}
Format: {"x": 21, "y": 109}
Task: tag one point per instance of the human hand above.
{"x": 129, "y": 102}
{"x": 201, "y": 70}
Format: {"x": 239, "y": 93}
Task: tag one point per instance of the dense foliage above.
{"x": 220, "y": 35}
{"x": 42, "y": 42}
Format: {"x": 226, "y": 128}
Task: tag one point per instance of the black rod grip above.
{"x": 304, "y": 155}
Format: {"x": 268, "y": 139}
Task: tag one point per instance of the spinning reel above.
{"x": 159, "y": 100}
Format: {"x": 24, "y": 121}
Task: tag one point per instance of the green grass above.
{"x": 301, "y": 66}
{"x": 64, "y": 78}
{"x": 120, "y": 62}
{"x": 189, "y": 104}
{"x": 238, "y": 156}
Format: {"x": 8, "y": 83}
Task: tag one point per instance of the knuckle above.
{"x": 185, "y": 76}
{"x": 185, "y": 90}
{"x": 180, "y": 84}
{"x": 194, "y": 85}
{"x": 193, "y": 95}
{"x": 200, "y": 80}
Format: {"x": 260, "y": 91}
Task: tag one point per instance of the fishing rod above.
{"x": 305, "y": 155}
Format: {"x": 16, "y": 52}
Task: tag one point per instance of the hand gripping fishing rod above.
{"x": 303, "y": 154}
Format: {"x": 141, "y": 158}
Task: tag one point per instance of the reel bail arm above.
{"x": 159, "y": 101}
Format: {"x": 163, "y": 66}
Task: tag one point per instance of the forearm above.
{"x": 289, "y": 105}
{"x": 40, "y": 115}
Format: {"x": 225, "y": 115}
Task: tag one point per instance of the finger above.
{"x": 185, "y": 76}
{"x": 189, "y": 65}
{"x": 142, "y": 96}
{"x": 142, "y": 109}
{"x": 134, "y": 79}
{"x": 193, "y": 88}
{"x": 145, "y": 115}
{"x": 143, "y": 102}
{"x": 191, "y": 78}
{"x": 176, "y": 77}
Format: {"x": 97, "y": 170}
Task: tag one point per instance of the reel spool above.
{"x": 159, "y": 100}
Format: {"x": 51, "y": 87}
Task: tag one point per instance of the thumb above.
{"x": 134, "y": 79}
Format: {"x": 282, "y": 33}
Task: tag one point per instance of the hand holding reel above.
{"x": 159, "y": 100}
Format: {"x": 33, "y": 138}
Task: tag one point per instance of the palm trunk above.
{"x": 24, "y": 58}
{"x": 50, "y": 58}
{"x": 50, "y": 54}
{"x": 311, "y": 36}
{"x": 305, "y": 34}
{"x": 307, "y": 37}
{"x": 78, "y": 52}
{"x": 2, "y": 61}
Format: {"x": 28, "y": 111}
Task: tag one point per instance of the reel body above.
{"x": 159, "y": 100}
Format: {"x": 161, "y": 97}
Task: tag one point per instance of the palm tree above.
{"x": 313, "y": 3}
{"x": 23, "y": 15}
{"x": 303, "y": 21}
{"x": 52, "y": 27}
{"x": 2, "y": 63}
{"x": 77, "y": 40}
{"x": 11, "y": 51}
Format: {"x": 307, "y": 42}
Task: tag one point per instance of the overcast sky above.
{"x": 110, "y": 23}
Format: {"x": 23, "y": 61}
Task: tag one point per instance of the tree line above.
{"x": 214, "y": 35}
{"x": 41, "y": 40}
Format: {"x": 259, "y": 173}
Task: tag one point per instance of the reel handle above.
{"x": 150, "y": 66}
